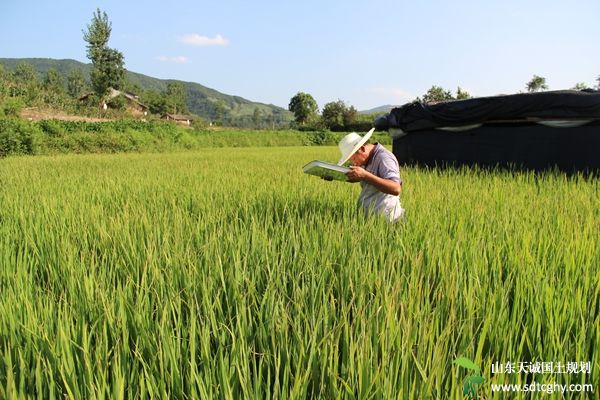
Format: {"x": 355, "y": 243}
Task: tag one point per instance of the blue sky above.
{"x": 365, "y": 53}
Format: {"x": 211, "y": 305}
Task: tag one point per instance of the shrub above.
{"x": 320, "y": 138}
{"x": 18, "y": 137}
{"x": 12, "y": 106}
{"x": 52, "y": 127}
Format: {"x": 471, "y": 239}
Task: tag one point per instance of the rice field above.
{"x": 227, "y": 273}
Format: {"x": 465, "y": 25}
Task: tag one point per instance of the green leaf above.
{"x": 467, "y": 388}
{"x": 476, "y": 379}
{"x": 466, "y": 363}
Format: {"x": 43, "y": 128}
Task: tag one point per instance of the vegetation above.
{"x": 437, "y": 93}
{"x": 21, "y": 79}
{"x": 61, "y": 89}
{"x": 108, "y": 69}
{"x": 75, "y": 83}
{"x": 189, "y": 276}
{"x": 173, "y": 100}
{"x": 537, "y": 84}
{"x": 580, "y": 86}
{"x": 338, "y": 116}
{"x": 18, "y": 137}
{"x": 202, "y": 102}
{"x": 24, "y": 87}
{"x": 304, "y": 107}
{"x": 462, "y": 94}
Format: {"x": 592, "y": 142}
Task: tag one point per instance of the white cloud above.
{"x": 197, "y": 40}
{"x": 173, "y": 59}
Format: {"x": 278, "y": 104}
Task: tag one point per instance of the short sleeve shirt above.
{"x": 383, "y": 164}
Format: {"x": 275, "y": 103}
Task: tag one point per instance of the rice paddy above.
{"x": 227, "y": 273}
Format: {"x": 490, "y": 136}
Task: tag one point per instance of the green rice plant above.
{"x": 227, "y": 273}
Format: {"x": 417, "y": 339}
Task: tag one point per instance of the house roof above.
{"x": 114, "y": 93}
{"x": 178, "y": 117}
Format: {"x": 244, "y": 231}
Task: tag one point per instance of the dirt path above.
{"x": 36, "y": 114}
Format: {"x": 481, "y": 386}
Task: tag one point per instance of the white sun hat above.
{"x": 351, "y": 143}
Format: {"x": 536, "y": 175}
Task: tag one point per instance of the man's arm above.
{"x": 387, "y": 186}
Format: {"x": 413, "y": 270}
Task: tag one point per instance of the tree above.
{"x": 270, "y": 120}
{"x": 25, "y": 74}
{"x": 580, "y": 86}
{"x": 598, "y": 80}
{"x": 257, "y": 118}
{"x": 75, "y": 83}
{"x": 304, "y": 107}
{"x": 53, "y": 82}
{"x": 337, "y": 115}
{"x": 350, "y": 114}
{"x": 537, "y": 84}
{"x": 462, "y": 94}
{"x": 26, "y": 83}
{"x": 5, "y": 82}
{"x": 333, "y": 115}
{"x": 221, "y": 112}
{"x": 155, "y": 102}
{"x": 437, "y": 93}
{"x": 176, "y": 98}
{"x": 107, "y": 64}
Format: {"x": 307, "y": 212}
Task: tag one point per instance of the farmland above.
{"x": 227, "y": 273}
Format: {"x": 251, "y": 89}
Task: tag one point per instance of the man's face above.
{"x": 360, "y": 157}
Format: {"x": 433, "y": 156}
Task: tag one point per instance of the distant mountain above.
{"x": 201, "y": 100}
{"x": 377, "y": 110}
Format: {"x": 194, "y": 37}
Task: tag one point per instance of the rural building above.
{"x": 527, "y": 130}
{"x": 178, "y": 118}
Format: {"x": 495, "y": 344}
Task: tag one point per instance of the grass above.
{"x": 228, "y": 273}
{"x": 51, "y": 137}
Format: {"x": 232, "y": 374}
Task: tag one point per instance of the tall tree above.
{"x": 537, "y": 84}
{"x": 270, "y": 120}
{"x": 176, "y": 98}
{"x": 598, "y": 80}
{"x": 107, "y": 64}
{"x": 304, "y": 107}
{"x": 221, "y": 112}
{"x": 75, "y": 83}
{"x": 257, "y": 118}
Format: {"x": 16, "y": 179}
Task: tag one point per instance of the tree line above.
{"x": 23, "y": 87}
{"x": 338, "y": 115}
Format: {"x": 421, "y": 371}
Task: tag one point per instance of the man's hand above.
{"x": 388, "y": 186}
{"x": 356, "y": 174}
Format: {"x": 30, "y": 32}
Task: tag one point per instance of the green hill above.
{"x": 201, "y": 100}
{"x": 378, "y": 110}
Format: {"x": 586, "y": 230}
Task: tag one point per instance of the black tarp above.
{"x": 509, "y": 131}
